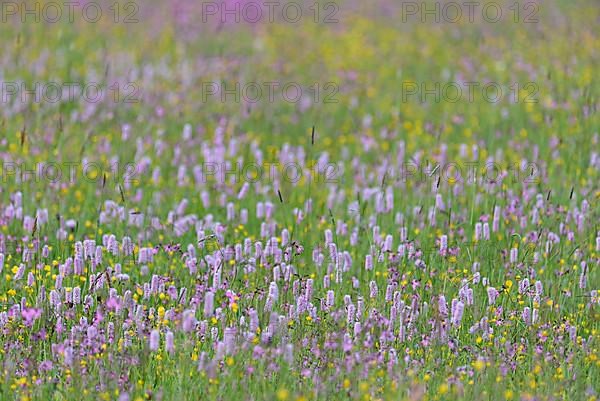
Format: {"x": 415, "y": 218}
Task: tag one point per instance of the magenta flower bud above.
{"x": 442, "y": 306}
{"x": 373, "y": 289}
{"x": 496, "y": 219}
{"x": 189, "y": 321}
{"x": 573, "y": 333}
{"x": 350, "y": 313}
{"x": 320, "y": 259}
{"x": 347, "y": 261}
{"x": 28, "y": 223}
{"x": 439, "y": 203}
{"x": 328, "y": 237}
{"x": 269, "y": 208}
{"x": 527, "y": 315}
{"x": 393, "y": 315}
{"x": 330, "y": 298}
{"x": 492, "y": 295}
{"x": 91, "y": 333}
{"x": 220, "y": 351}
{"x": 388, "y": 243}
{"x": 209, "y": 307}
{"x": 205, "y": 198}
{"x": 403, "y": 234}
{"x": 486, "y": 231}
{"x": 78, "y": 266}
{"x": 309, "y": 288}
{"x": 379, "y": 203}
{"x": 288, "y": 353}
{"x": 534, "y": 316}
{"x": 389, "y": 201}
{"x": 127, "y": 246}
{"x": 360, "y": 307}
{"x": 357, "y": 328}
{"x": 260, "y": 210}
{"x": 230, "y": 211}
{"x": 258, "y": 251}
{"x": 76, "y": 295}
{"x": 113, "y": 245}
{"x": 247, "y": 246}
{"x": 98, "y": 256}
{"x": 443, "y": 243}
{"x": 333, "y": 252}
{"x": 376, "y": 236}
{"x": 154, "y": 340}
{"x": 54, "y": 298}
{"x": 254, "y": 323}
{"x": 68, "y": 356}
{"x": 338, "y": 274}
{"x": 273, "y": 291}
{"x": 478, "y": 229}
{"x": 389, "y": 292}
{"x": 229, "y": 339}
{"x": 469, "y": 296}
{"x": 169, "y": 342}
{"x": 514, "y": 253}
{"x": 582, "y": 280}
{"x": 143, "y": 256}
{"x": 539, "y": 288}
{"x": 539, "y": 201}
{"x": 154, "y": 282}
{"x": 315, "y": 255}
{"x": 217, "y": 276}
{"x": 20, "y": 272}
{"x": 89, "y": 246}
{"x": 457, "y": 312}
{"x": 524, "y": 286}
{"x": 243, "y": 191}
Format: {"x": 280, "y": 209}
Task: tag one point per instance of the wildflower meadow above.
{"x": 299, "y": 200}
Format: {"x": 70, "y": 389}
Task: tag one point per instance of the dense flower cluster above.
{"x": 169, "y": 280}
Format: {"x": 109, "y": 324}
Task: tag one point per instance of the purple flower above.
{"x": 492, "y": 295}
{"x": 30, "y": 315}
{"x": 154, "y": 340}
